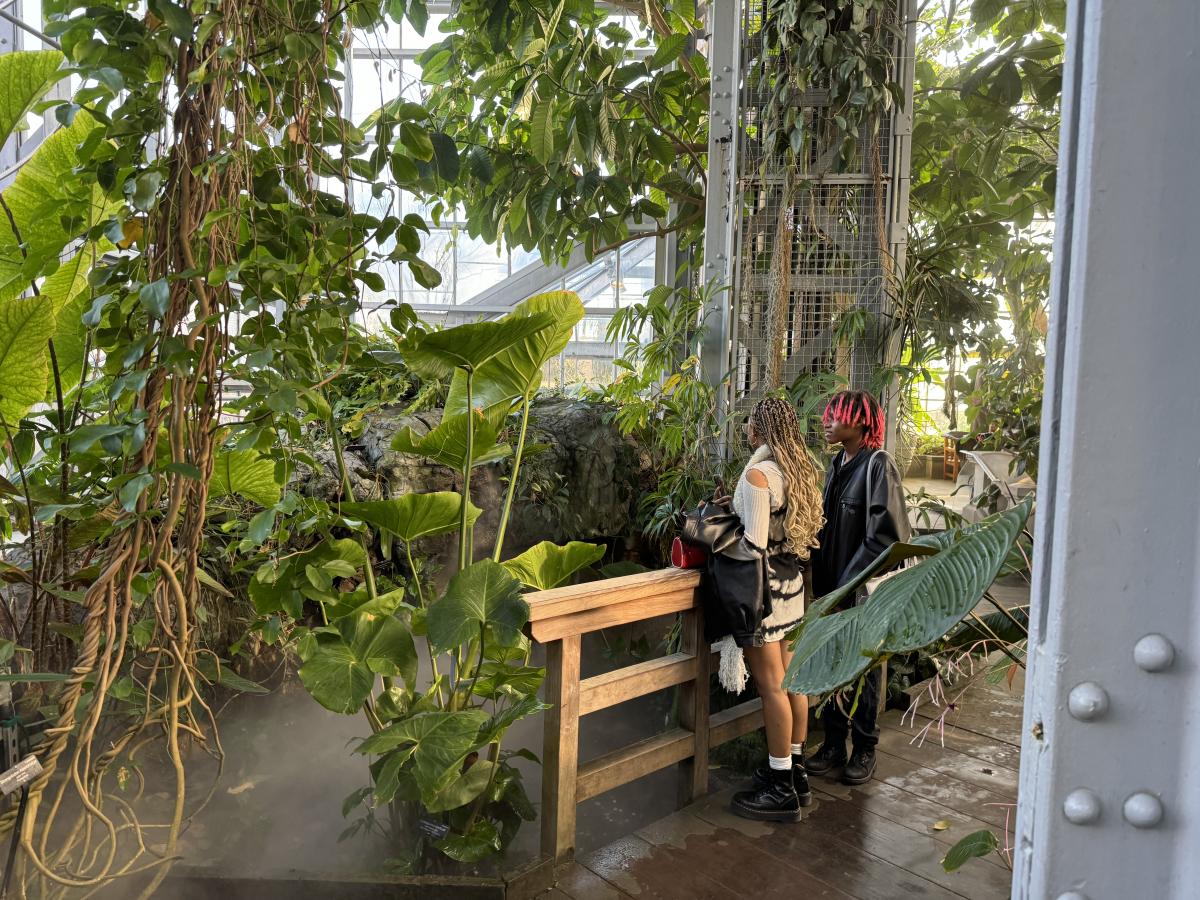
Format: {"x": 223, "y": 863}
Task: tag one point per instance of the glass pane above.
{"x": 411, "y": 40}
{"x": 479, "y": 267}
{"x": 596, "y": 284}
{"x": 374, "y": 82}
{"x": 522, "y": 258}
{"x": 637, "y": 270}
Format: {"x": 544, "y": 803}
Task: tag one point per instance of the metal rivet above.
{"x": 1143, "y": 810}
{"x": 1153, "y": 653}
{"x": 1082, "y": 807}
{"x": 1072, "y": 895}
{"x": 728, "y": 69}
{"x": 1087, "y": 701}
{"x": 716, "y": 78}
{"x": 728, "y": 94}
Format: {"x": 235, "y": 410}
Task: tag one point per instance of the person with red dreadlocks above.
{"x": 864, "y": 515}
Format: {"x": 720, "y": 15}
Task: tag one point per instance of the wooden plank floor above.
{"x": 881, "y": 841}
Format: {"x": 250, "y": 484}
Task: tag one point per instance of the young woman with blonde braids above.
{"x": 779, "y": 501}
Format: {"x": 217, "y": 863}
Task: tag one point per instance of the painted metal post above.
{"x": 1110, "y": 772}
{"x": 897, "y": 199}
{"x": 722, "y": 203}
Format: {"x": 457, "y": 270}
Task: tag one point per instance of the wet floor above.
{"x": 881, "y": 841}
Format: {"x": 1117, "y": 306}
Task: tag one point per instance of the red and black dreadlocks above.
{"x": 858, "y": 408}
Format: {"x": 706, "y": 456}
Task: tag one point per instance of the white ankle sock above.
{"x": 779, "y": 763}
{"x": 797, "y": 749}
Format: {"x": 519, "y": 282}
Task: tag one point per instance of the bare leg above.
{"x": 799, "y": 702}
{"x": 766, "y": 665}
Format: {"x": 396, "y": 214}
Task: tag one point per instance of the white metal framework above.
{"x": 841, "y": 223}
{"x": 1110, "y": 769}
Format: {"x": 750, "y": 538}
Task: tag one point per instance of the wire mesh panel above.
{"x": 814, "y": 268}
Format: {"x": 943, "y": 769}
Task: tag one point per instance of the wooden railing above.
{"x": 558, "y": 618}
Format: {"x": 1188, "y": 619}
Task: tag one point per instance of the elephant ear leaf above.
{"x": 547, "y": 565}
{"x": 438, "y": 353}
{"x": 483, "y": 595}
{"x": 414, "y": 516}
{"x": 517, "y": 372}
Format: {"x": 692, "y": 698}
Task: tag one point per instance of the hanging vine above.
{"x": 189, "y": 167}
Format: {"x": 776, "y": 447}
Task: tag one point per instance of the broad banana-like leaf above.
{"x": 547, "y": 565}
{"x": 483, "y": 594}
{"x": 246, "y": 473}
{"x": 438, "y": 353}
{"x": 909, "y": 611}
{"x": 25, "y": 326}
{"x": 414, "y": 516}
{"x": 517, "y": 371}
{"x": 43, "y": 192}
{"x": 25, "y": 78}
{"x": 888, "y": 559}
{"x": 447, "y": 443}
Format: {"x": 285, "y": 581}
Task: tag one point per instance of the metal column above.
{"x": 1110, "y": 773}
{"x": 722, "y": 208}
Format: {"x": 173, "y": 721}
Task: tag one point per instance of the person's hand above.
{"x": 720, "y": 497}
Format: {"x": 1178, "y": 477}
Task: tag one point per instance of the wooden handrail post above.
{"x": 560, "y": 748}
{"x": 693, "y": 700}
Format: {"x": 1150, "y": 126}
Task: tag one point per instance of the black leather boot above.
{"x": 762, "y": 776}
{"x": 776, "y": 801}
{"x": 861, "y": 766}
{"x": 828, "y": 758}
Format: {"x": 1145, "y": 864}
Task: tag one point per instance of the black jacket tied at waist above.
{"x": 735, "y": 591}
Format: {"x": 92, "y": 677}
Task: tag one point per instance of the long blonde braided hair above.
{"x": 775, "y": 423}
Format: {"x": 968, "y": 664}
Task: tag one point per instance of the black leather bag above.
{"x": 718, "y": 529}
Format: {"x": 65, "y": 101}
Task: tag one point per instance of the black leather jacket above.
{"x": 857, "y": 528}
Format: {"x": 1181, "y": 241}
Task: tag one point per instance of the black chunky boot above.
{"x": 861, "y": 766}
{"x": 776, "y": 801}
{"x": 827, "y": 759}
{"x": 762, "y": 777}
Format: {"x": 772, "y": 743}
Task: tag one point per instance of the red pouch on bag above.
{"x": 687, "y": 556}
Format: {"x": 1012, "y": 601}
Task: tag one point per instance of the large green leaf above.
{"x": 336, "y": 676}
{"x": 481, "y": 594}
{"x": 541, "y": 132}
{"x": 438, "y": 353}
{"x": 975, "y": 845}
{"x": 245, "y": 473}
{"x": 414, "y": 516}
{"x": 447, "y": 443}
{"x": 340, "y": 672}
{"x": 910, "y": 610}
{"x": 463, "y": 789}
{"x": 479, "y": 843}
{"x": 436, "y": 741}
{"x": 888, "y": 559}
{"x": 25, "y": 77}
{"x": 547, "y": 565}
{"x": 43, "y": 193}
{"x": 25, "y": 326}
{"x": 384, "y": 644}
{"x": 517, "y": 372}
{"x": 67, "y": 290}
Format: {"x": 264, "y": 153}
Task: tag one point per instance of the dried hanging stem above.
{"x": 780, "y": 291}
